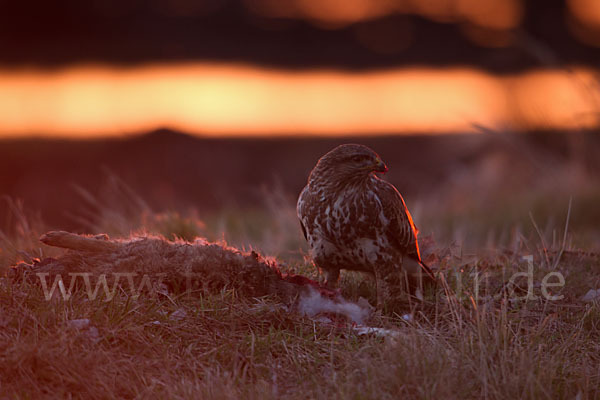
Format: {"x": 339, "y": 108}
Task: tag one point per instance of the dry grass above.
{"x": 470, "y": 338}
{"x": 223, "y": 345}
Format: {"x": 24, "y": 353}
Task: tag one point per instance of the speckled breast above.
{"x": 349, "y": 232}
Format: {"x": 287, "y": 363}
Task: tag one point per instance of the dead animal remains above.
{"x": 175, "y": 267}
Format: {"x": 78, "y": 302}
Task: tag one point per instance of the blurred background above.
{"x": 205, "y": 117}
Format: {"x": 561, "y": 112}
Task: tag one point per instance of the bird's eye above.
{"x": 358, "y": 158}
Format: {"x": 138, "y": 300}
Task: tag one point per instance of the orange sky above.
{"x": 497, "y": 14}
{"x": 220, "y": 100}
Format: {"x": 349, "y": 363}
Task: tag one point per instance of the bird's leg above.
{"x": 414, "y": 277}
{"x": 389, "y": 283}
{"x": 414, "y": 284}
{"x": 379, "y": 289}
{"x": 332, "y": 277}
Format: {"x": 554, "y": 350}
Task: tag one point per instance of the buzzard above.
{"x": 354, "y": 220}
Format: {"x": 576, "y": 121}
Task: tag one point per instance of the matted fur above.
{"x": 208, "y": 266}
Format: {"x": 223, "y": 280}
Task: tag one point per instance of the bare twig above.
{"x": 73, "y": 241}
{"x": 564, "y": 242}
{"x": 541, "y": 238}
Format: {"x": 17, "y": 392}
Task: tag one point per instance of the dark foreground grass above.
{"x": 480, "y": 339}
{"x": 222, "y": 346}
{"x": 484, "y": 332}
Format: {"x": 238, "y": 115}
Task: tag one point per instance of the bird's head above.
{"x": 349, "y": 161}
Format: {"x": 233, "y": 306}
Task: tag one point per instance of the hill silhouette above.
{"x": 174, "y": 171}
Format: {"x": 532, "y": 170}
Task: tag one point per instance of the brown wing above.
{"x": 303, "y": 230}
{"x": 402, "y": 232}
{"x": 301, "y": 209}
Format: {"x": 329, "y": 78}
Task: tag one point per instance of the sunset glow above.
{"x": 587, "y": 11}
{"x": 496, "y": 14}
{"x": 221, "y": 100}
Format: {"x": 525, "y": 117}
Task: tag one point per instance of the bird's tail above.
{"x": 428, "y": 271}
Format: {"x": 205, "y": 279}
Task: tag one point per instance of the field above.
{"x": 510, "y": 225}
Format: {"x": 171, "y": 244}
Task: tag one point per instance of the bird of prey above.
{"x": 354, "y": 220}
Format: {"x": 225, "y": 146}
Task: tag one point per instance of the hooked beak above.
{"x": 380, "y": 166}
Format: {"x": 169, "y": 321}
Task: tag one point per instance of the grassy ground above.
{"x": 483, "y": 333}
